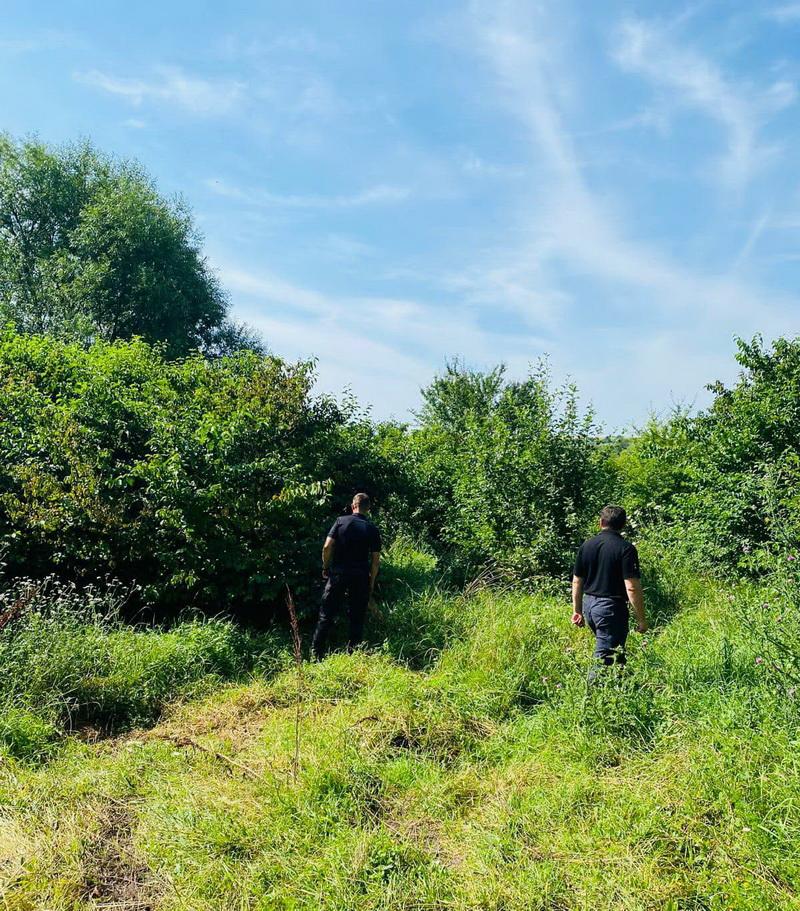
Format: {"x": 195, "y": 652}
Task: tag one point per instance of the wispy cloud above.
{"x": 574, "y": 226}
{"x": 572, "y": 235}
{"x": 375, "y": 195}
{"x": 698, "y": 82}
{"x": 475, "y": 166}
{"x": 385, "y": 348}
{"x": 788, "y": 12}
{"x": 757, "y": 229}
{"x": 172, "y": 86}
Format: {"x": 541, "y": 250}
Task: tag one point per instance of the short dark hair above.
{"x": 361, "y": 501}
{"x": 613, "y": 517}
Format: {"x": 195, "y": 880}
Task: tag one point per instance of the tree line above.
{"x": 147, "y": 438}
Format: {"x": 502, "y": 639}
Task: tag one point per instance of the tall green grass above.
{"x": 479, "y": 773}
{"x": 69, "y": 664}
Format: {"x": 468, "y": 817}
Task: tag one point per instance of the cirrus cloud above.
{"x": 172, "y": 86}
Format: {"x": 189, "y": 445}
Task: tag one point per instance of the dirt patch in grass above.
{"x": 15, "y": 849}
{"x": 240, "y": 716}
{"x": 114, "y": 877}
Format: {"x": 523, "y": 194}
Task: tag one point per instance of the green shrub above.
{"x": 208, "y": 484}
{"x": 25, "y": 734}
{"x": 722, "y": 486}
{"x": 509, "y": 474}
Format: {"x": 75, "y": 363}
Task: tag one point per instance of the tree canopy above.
{"x": 90, "y": 250}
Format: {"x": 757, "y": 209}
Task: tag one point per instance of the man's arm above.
{"x": 327, "y": 554}
{"x": 373, "y": 570}
{"x": 636, "y": 597}
{"x": 577, "y": 600}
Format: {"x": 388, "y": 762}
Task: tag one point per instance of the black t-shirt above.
{"x": 356, "y": 538}
{"x": 604, "y": 562}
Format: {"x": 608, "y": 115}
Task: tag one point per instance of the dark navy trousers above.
{"x": 350, "y": 587}
{"x": 609, "y": 621}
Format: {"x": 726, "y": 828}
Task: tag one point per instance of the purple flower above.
{"x": 759, "y": 660}
{"x": 791, "y": 557}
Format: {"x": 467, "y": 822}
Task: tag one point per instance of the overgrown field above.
{"x": 163, "y": 480}
{"x": 461, "y": 764}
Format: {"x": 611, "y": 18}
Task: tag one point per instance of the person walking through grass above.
{"x": 350, "y": 561}
{"x": 605, "y": 579}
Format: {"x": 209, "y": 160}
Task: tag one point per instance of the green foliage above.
{"x": 749, "y": 465}
{"x": 769, "y": 612}
{"x": 722, "y": 485}
{"x": 656, "y": 469}
{"x": 88, "y": 249}
{"x": 509, "y": 474}
{"x": 26, "y": 734}
{"x": 208, "y": 484}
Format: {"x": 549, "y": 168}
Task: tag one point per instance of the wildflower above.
{"x": 731, "y": 598}
{"x": 759, "y": 660}
{"x": 791, "y": 691}
{"x": 791, "y": 558}
{"x": 765, "y": 605}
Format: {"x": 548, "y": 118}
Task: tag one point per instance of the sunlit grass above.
{"x": 491, "y": 779}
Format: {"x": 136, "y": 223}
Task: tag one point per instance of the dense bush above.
{"x": 207, "y": 483}
{"x": 723, "y": 485}
{"x": 210, "y": 483}
{"x": 507, "y": 474}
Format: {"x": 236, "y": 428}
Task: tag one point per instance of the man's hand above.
{"x": 577, "y": 601}
{"x": 636, "y": 598}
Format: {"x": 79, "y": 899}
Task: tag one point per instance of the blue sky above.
{"x": 385, "y": 185}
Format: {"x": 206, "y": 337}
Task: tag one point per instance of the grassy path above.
{"x": 486, "y": 779}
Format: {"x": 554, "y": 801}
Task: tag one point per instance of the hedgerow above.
{"x": 206, "y": 483}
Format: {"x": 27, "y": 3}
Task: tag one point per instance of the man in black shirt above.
{"x": 350, "y": 561}
{"x": 606, "y": 577}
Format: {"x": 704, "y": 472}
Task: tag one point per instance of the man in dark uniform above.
{"x": 606, "y": 577}
{"x": 350, "y": 561}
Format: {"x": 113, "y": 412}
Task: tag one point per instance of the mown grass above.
{"x": 477, "y": 773}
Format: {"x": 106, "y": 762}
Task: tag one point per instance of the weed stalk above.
{"x": 298, "y": 661}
